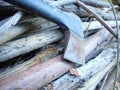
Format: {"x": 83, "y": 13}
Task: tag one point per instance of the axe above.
{"x": 69, "y": 23}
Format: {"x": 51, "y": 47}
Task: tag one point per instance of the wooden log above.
{"x": 53, "y": 70}
{"x": 104, "y": 14}
{"x": 98, "y": 49}
{"x": 7, "y": 36}
{"x": 96, "y": 25}
{"x": 92, "y": 82}
{"x": 21, "y": 28}
{"x": 25, "y": 45}
{"x": 32, "y": 24}
{"x": 94, "y": 66}
{"x": 37, "y": 76}
{"x": 110, "y": 80}
{"x": 98, "y": 38}
{"x": 60, "y": 2}
{"x": 83, "y": 6}
{"x": 81, "y": 12}
{"x": 72, "y": 81}
{"x": 5, "y": 4}
{"x": 6, "y": 10}
{"x": 94, "y": 3}
{"x": 10, "y": 21}
{"x": 13, "y": 32}
{"x": 41, "y": 57}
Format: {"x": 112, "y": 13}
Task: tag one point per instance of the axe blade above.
{"x": 75, "y": 36}
{"x": 74, "y": 51}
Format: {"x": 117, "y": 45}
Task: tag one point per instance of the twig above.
{"x": 88, "y": 25}
{"x": 118, "y": 41}
{"x": 104, "y": 80}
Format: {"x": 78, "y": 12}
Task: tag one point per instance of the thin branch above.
{"x": 118, "y": 41}
{"x": 82, "y": 5}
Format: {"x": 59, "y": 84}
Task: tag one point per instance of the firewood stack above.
{"x": 32, "y": 48}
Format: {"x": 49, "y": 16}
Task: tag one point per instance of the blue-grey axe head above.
{"x": 68, "y": 21}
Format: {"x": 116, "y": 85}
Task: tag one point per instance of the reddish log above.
{"x": 36, "y": 76}
{"x": 46, "y": 72}
{"x": 93, "y": 41}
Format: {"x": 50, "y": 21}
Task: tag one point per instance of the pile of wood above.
{"x": 32, "y": 48}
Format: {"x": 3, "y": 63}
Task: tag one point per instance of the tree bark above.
{"x": 93, "y": 82}
{"x": 10, "y": 21}
{"x": 94, "y": 3}
{"x": 37, "y": 76}
{"x": 94, "y": 40}
{"x": 13, "y": 31}
{"x": 95, "y": 65}
{"x": 25, "y": 45}
{"x": 75, "y": 81}
{"x": 80, "y": 4}
{"x": 96, "y": 25}
{"x": 41, "y": 57}
{"x": 54, "y": 67}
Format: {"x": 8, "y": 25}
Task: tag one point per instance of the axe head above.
{"x": 74, "y": 48}
{"x": 75, "y": 38}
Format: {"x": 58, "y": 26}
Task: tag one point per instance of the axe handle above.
{"x": 82, "y": 5}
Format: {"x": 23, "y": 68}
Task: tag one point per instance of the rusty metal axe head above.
{"x": 74, "y": 48}
{"x": 74, "y": 39}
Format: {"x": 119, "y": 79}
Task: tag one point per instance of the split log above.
{"x": 37, "y": 76}
{"x": 93, "y": 82}
{"x": 10, "y": 21}
{"x": 13, "y": 32}
{"x": 41, "y": 57}
{"x": 25, "y": 45}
